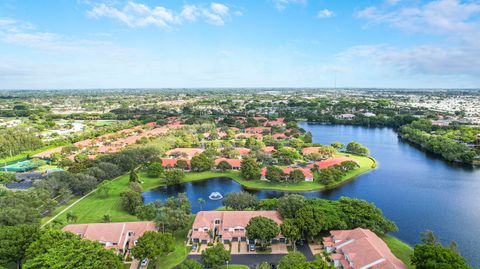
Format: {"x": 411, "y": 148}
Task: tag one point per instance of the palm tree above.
{"x": 201, "y": 202}
{"x": 71, "y": 217}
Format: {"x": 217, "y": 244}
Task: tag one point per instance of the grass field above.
{"x": 400, "y": 249}
{"x": 93, "y": 207}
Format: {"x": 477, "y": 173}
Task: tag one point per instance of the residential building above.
{"x": 360, "y": 249}
{"x": 184, "y": 152}
{"x": 331, "y": 162}
{"x": 121, "y": 236}
{"x": 228, "y": 226}
{"x": 234, "y": 163}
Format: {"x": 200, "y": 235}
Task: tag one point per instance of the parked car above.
{"x": 252, "y": 247}
{"x": 144, "y": 262}
{"x": 194, "y": 247}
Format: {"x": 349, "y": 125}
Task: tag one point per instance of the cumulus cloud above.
{"x": 282, "y": 4}
{"x": 455, "y": 23}
{"x": 325, "y": 13}
{"x": 135, "y": 14}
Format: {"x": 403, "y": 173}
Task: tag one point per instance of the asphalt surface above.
{"x": 252, "y": 260}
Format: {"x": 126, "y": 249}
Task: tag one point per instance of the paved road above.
{"x": 252, "y": 260}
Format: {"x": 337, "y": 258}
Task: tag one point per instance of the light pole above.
{"x": 227, "y": 264}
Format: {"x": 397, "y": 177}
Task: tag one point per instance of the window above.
{"x": 217, "y": 221}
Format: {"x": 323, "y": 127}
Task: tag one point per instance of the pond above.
{"x": 415, "y": 189}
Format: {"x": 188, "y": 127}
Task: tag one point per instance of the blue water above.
{"x": 415, "y": 189}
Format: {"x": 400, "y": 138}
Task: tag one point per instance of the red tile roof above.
{"x": 243, "y": 151}
{"x": 229, "y": 219}
{"x": 114, "y": 235}
{"x": 279, "y": 136}
{"x": 234, "y": 163}
{"x": 306, "y": 171}
{"x": 171, "y": 162}
{"x": 278, "y": 121}
{"x": 361, "y": 248}
{"x": 190, "y": 152}
{"x": 47, "y": 153}
{"x": 268, "y": 149}
{"x": 310, "y": 150}
{"x": 331, "y": 162}
{"x": 257, "y": 130}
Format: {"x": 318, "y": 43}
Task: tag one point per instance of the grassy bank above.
{"x": 400, "y": 249}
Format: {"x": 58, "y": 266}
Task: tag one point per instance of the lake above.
{"x": 415, "y": 189}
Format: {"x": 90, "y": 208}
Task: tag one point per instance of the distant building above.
{"x": 234, "y": 163}
{"x": 346, "y": 116}
{"x": 331, "y": 162}
{"x": 121, "y": 236}
{"x": 360, "y": 249}
{"x": 306, "y": 172}
{"x": 186, "y": 152}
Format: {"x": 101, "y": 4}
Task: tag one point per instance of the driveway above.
{"x": 279, "y": 248}
{"x": 252, "y": 260}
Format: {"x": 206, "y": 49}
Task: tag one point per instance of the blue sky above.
{"x": 254, "y": 43}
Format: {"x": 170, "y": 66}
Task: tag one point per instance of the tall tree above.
{"x": 250, "y": 169}
{"x": 152, "y": 244}
{"x": 263, "y": 230}
{"x": 437, "y": 256}
{"x": 14, "y": 242}
{"x": 239, "y": 200}
{"x": 215, "y": 256}
{"x": 289, "y": 204}
{"x": 292, "y": 260}
{"x": 72, "y": 254}
{"x": 291, "y": 231}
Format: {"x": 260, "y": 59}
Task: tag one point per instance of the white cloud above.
{"x": 455, "y": 23}
{"x": 282, "y": 4}
{"x": 325, "y": 13}
{"x": 220, "y": 9}
{"x": 440, "y": 16}
{"x": 238, "y": 13}
{"x": 135, "y": 14}
{"x": 190, "y": 12}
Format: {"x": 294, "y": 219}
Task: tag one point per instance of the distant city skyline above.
{"x": 220, "y": 44}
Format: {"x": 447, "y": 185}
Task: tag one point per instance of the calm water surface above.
{"x": 415, "y": 189}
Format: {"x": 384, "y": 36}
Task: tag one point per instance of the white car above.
{"x": 144, "y": 262}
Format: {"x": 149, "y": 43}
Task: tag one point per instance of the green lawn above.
{"x": 400, "y": 249}
{"x": 179, "y": 254}
{"x": 58, "y": 210}
{"x": 93, "y": 207}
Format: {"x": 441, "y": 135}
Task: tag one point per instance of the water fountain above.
{"x": 215, "y": 196}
